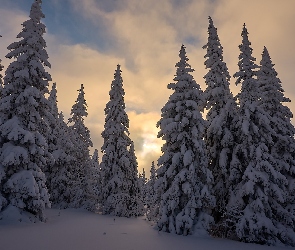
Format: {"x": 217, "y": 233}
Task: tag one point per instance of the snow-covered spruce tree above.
{"x": 53, "y": 102}
{"x": 62, "y": 180}
{"x": 52, "y": 138}
{"x": 120, "y": 192}
{"x": 281, "y": 145}
{"x": 222, "y": 111}
{"x": 95, "y": 159}
{"x": 60, "y": 175}
{"x": 183, "y": 177}
{"x": 136, "y": 191}
{"x": 142, "y": 185}
{"x": 23, "y": 114}
{"x": 151, "y": 193}
{"x": 78, "y": 112}
{"x": 83, "y": 193}
{"x": 247, "y": 99}
{"x": 257, "y": 186}
{"x": 96, "y": 175}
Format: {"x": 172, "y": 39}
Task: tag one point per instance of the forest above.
{"x": 227, "y": 164}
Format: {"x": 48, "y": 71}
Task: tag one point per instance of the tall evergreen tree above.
{"x": 23, "y": 114}
{"x": 222, "y": 111}
{"x": 60, "y": 175}
{"x": 62, "y": 179}
{"x": 258, "y": 186}
{"x": 52, "y": 137}
{"x": 281, "y": 145}
{"x": 183, "y": 177}
{"x": 84, "y": 196}
{"x": 247, "y": 98}
{"x": 120, "y": 193}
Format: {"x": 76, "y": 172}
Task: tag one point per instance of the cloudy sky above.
{"x": 87, "y": 39}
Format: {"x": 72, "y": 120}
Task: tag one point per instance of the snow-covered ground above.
{"x": 82, "y": 230}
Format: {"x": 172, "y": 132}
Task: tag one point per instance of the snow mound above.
{"x": 13, "y": 215}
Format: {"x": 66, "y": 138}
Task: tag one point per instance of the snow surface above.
{"x": 78, "y": 229}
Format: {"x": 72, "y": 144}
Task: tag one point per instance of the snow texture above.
{"x": 79, "y": 229}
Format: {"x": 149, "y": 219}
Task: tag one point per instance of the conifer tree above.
{"x": 120, "y": 192}
{"x": 78, "y": 112}
{"x": 222, "y": 111}
{"x": 95, "y": 158}
{"x": 247, "y": 98}
{"x": 53, "y": 101}
{"x": 136, "y": 191}
{"x": 151, "y": 193}
{"x": 96, "y": 175}
{"x": 258, "y": 186}
{"x": 63, "y": 181}
{"x": 183, "y": 177}
{"x": 52, "y": 137}
{"x": 83, "y": 194}
{"x": 60, "y": 175}
{"x": 23, "y": 114}
{"x": 142, "y": 185}
{"x": 281, "y": 146}
{"x": 153, "y": 174}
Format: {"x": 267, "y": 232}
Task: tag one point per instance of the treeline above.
{"x": 44, "y": 160}
{"x": 231, "y": 174}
